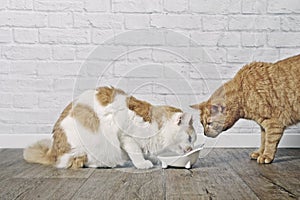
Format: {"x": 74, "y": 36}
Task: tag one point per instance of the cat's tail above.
{"x": 39, "y": 152}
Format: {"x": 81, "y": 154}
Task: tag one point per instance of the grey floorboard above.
{"x": 221, "y": 174}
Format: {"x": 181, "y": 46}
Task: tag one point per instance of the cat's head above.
{"x": 179, "y": 133}
{"x": 214, "y": 117}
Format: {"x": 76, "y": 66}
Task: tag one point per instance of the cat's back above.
{"x": 272, "y": 89}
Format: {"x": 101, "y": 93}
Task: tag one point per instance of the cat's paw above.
{"x": 254, "y": 155}
{"x": 144, "y": 165}
{"x": 264, "y": 159}
{"x": 78, "y": 162}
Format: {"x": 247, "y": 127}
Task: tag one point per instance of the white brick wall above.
{"x": 165, "y": 51}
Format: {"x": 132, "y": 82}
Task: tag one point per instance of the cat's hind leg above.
{"x": 273, "y": 131}
{"x": 135, "y": 153}
{"x": 255, "y": 154}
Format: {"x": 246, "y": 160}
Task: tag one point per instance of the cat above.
{"x": 268, "y": 93}
{"x": 106, "y": 127}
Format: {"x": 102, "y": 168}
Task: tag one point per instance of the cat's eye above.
{"x": 209, "y": 123}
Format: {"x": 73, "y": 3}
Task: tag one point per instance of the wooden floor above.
{"x": 221, "y": 174}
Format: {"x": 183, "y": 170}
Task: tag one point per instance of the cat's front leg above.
{"x": 255, "y": 154}
{"x": 273, "y": 135}
{"x": 135, "y": 153}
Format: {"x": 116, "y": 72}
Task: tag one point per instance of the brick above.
{"x": 285, "y": 53}
{"x": 3, "y": 4}
{"x": 140, "y": 37}
{"x": 241, "y": 23}
{"x": 97, "y": 68}
{"x": 58, "y": 69}
{"x": 239, "y": 55}
{"x": 103, "y": 21}
{"x": 36, "y": 117}
{"x": 104, "y": 53}
{"x": 25, "y": 129}
{"x": 173, "y": 87}
{"x": 287, "y": 6}
{"x": 5, "y": 67}
{"x": 6, "y": 100}
{"x": 48, "y": 5}
{"x": 23, "y": 19}
{"x": 266, "y": 55}
{"x": 100, "y": 36}
{"x": 205, "y": 71}
{"x": 82, "y": 52}
{"x": 23, "y": 69}
{"x": 215, "y": 6}
{"x": 254, "y": 23}
{"x": 28, "y": 36}
{"x": 177, "y": 70}
{"x": 267, "y": 23}
{"x": 215, "y": 23}
{"x": 283, "y": 39}
{"x": 64, "y": 84}
{"x": 138, "y": 70}
{"x": 176, "y": 5}
{"x": 205, "y": 38}
{"x": 6, "y": 128}
{"x": 139, "y": 54}
{"x": 228, "y": 71}
{"x": 26, "y": 85}
{"x": 137, "y": 85}
{"x": 5, "y": 35}
{"x": 214, "y": 55}
{"x": 229, "y": 39}
{"x": 63, "y": 52}
{"x": 26, "y": 52}
{"x": 53, "y": 100}
{"x": 178, "y": 54}
{"x": 254, "y": 6}
{"x": 97, "y": 5}
{"x": 25, "y": 101}
{"x": 176, "y": 21}
{"x": 138, "y": 6}
{"x": 64, "y": 36}
{"x": 290, "y": 23}
{"x": 133, "y": 21}
{"x": 177, "y": 38}
{"x": 21, "y": 4}
{"x": 60, "y": 20}
{"x": 253, "y": 39}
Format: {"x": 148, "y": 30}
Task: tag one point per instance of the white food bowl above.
{"x": 186, "y": 160}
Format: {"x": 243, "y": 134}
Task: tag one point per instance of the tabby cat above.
{"x": 268, "y": 93}
{"x": 106, "y": 127}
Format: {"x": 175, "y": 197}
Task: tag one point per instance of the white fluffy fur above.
{"x": 122, "y": 135}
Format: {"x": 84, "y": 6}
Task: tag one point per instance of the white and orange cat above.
{"x": 106, "y": 127}
{"x": 268, "y": 93}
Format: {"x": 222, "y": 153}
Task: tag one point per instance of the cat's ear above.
{"x": 183, "y": 119}
{"x": 198, "y": 106}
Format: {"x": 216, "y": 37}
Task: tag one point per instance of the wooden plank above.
{"x": 21, "y": 180}
{"x": 221, "y": 174}
{"x": 20, "y": 188}
{"x": 120, "y": 184}
{"x": 208, "y": 180}
{"x": 266, "y": 181}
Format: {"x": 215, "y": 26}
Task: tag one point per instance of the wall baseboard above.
{"x": 223, "y": 141}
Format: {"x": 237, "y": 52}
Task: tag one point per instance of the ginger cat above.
{"x": 268, "y": 93}
{"x": 106, "y": 127}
